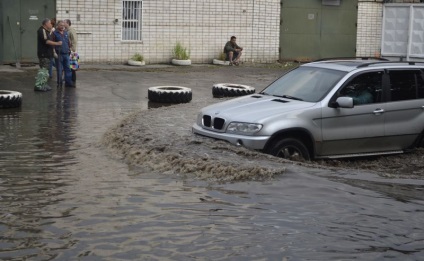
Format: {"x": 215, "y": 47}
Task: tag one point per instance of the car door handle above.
{"x": 378, "y": 111}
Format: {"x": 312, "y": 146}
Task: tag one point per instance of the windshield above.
{"x": 309, "y": 84}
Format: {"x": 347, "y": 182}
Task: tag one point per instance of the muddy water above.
{"x": 64, "y": 197}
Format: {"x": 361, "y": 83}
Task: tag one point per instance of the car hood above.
{"x": 254, "y": 108}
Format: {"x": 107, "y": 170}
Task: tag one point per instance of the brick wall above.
{"x": 368, "y": 36}
{"x": 203, "y": 26}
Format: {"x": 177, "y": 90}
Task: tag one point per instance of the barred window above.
{"x": 131, "y": 20}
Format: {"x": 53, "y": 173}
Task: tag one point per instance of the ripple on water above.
{"x": 63, "y": 198}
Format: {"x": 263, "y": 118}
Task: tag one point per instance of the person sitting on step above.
{"x": 233, "y": 51}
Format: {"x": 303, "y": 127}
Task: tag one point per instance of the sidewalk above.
{"x": 126, "y": 67}
{"x": 10, "y": 68}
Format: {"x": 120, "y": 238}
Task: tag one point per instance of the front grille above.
{"x": 216, "y": 123}
{"x": 207, "y": 121}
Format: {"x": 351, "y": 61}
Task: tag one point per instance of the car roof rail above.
{"x": 394, "y": 62}
{"x": 352, "y": 58}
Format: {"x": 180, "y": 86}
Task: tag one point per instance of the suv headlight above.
{"x": 244, "y": 128}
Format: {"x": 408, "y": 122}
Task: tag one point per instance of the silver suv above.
{"x": 327, "y": 109}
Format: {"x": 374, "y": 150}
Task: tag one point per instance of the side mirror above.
{"x": 344, "y": 102}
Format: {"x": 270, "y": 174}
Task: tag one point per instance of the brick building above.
{"x": 107, "y": 33}
{"x": 111, "y": 31}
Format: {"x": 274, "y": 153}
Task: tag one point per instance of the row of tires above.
{"x": 178, "y": 94}
{"x": 162, "y": 94}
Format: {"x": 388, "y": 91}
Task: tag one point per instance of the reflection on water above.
{"x": 63, "y": 198}
{"x": 34, "y": 144}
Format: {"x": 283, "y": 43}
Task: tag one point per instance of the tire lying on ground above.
{"x": 231, "y": 90}
{"x": 170, "y": 94}
{"x": 10, "y": 99}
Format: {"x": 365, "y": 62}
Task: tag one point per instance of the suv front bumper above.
{"x": 251, "y": 142}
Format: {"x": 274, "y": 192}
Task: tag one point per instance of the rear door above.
{"x": 405, "y": 111}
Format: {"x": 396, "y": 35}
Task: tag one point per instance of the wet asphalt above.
{"x": 64, "y": 197}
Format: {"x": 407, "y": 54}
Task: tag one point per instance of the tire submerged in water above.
{"x": 231, "y": 90}
{"x": 10, "y": 99}
{"x": 291, "y": 149}
{"x": 170, "y": 94}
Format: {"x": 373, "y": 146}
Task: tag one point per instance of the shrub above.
{"x": 222, "y": 56}
{"x": 180, "y": 52}
{"x": 137, "y": 57}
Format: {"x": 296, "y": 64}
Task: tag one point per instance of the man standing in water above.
{"x": 45, "y": 53}
{"x": 63, "y": 51}
{"x": 73, "y": 39}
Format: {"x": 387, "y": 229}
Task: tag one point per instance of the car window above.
{"x": 305, "y": 83}
{"x": 364, "y": 88}
{"x": 406, "y": 85}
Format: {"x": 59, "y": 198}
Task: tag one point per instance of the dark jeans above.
{"x": 62, "y": 65}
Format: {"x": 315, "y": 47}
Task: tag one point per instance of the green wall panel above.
{"x": 310, "y": 30}
{"x": 20, "y": 21}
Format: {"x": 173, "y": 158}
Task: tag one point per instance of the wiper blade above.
{"x": 288, "y": 97}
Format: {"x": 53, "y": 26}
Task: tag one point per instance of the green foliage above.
{"x": 222, "y": 56}
{"x": 41, "y": 78}
{"x": 137, "y": 57}
{"x": 180, "y": 52}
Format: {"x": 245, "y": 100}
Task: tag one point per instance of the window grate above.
{"x": 131, "y": 20}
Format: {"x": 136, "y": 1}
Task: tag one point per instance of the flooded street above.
{"x": 65, "y": 196}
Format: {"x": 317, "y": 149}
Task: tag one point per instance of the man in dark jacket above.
{"x": 44, "y": 53}
{"x": 233, "y": 51}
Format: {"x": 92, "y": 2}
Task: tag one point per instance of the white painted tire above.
{"x": 181, "y": 62}
{"x": 136, "y": 63}
{"x": 231, "y": 90}
{"x": 220, "y": 62}
{"x": 10, "y": 99}
{"x": 169, "y": 94}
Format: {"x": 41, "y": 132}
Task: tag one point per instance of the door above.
{"x": 359, "y": 129}
{"x": 338, "y": 30}
{"x": 21, "y": 20}
{"x": 300, "y": 30}
{"x": 32, "y": 14}
{"x": 312, "y": 29}
{"x": 9, "y": 43}
{"x": 404, "y": 115}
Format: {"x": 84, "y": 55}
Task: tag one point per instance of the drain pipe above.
{"x": 18, "y": 64}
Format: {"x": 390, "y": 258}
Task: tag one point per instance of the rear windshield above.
{"x": 309, "y": 84}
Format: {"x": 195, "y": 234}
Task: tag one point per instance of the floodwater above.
{"x": 64, "y": 197}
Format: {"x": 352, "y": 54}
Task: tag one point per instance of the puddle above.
{"x": 64, "y": 197}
